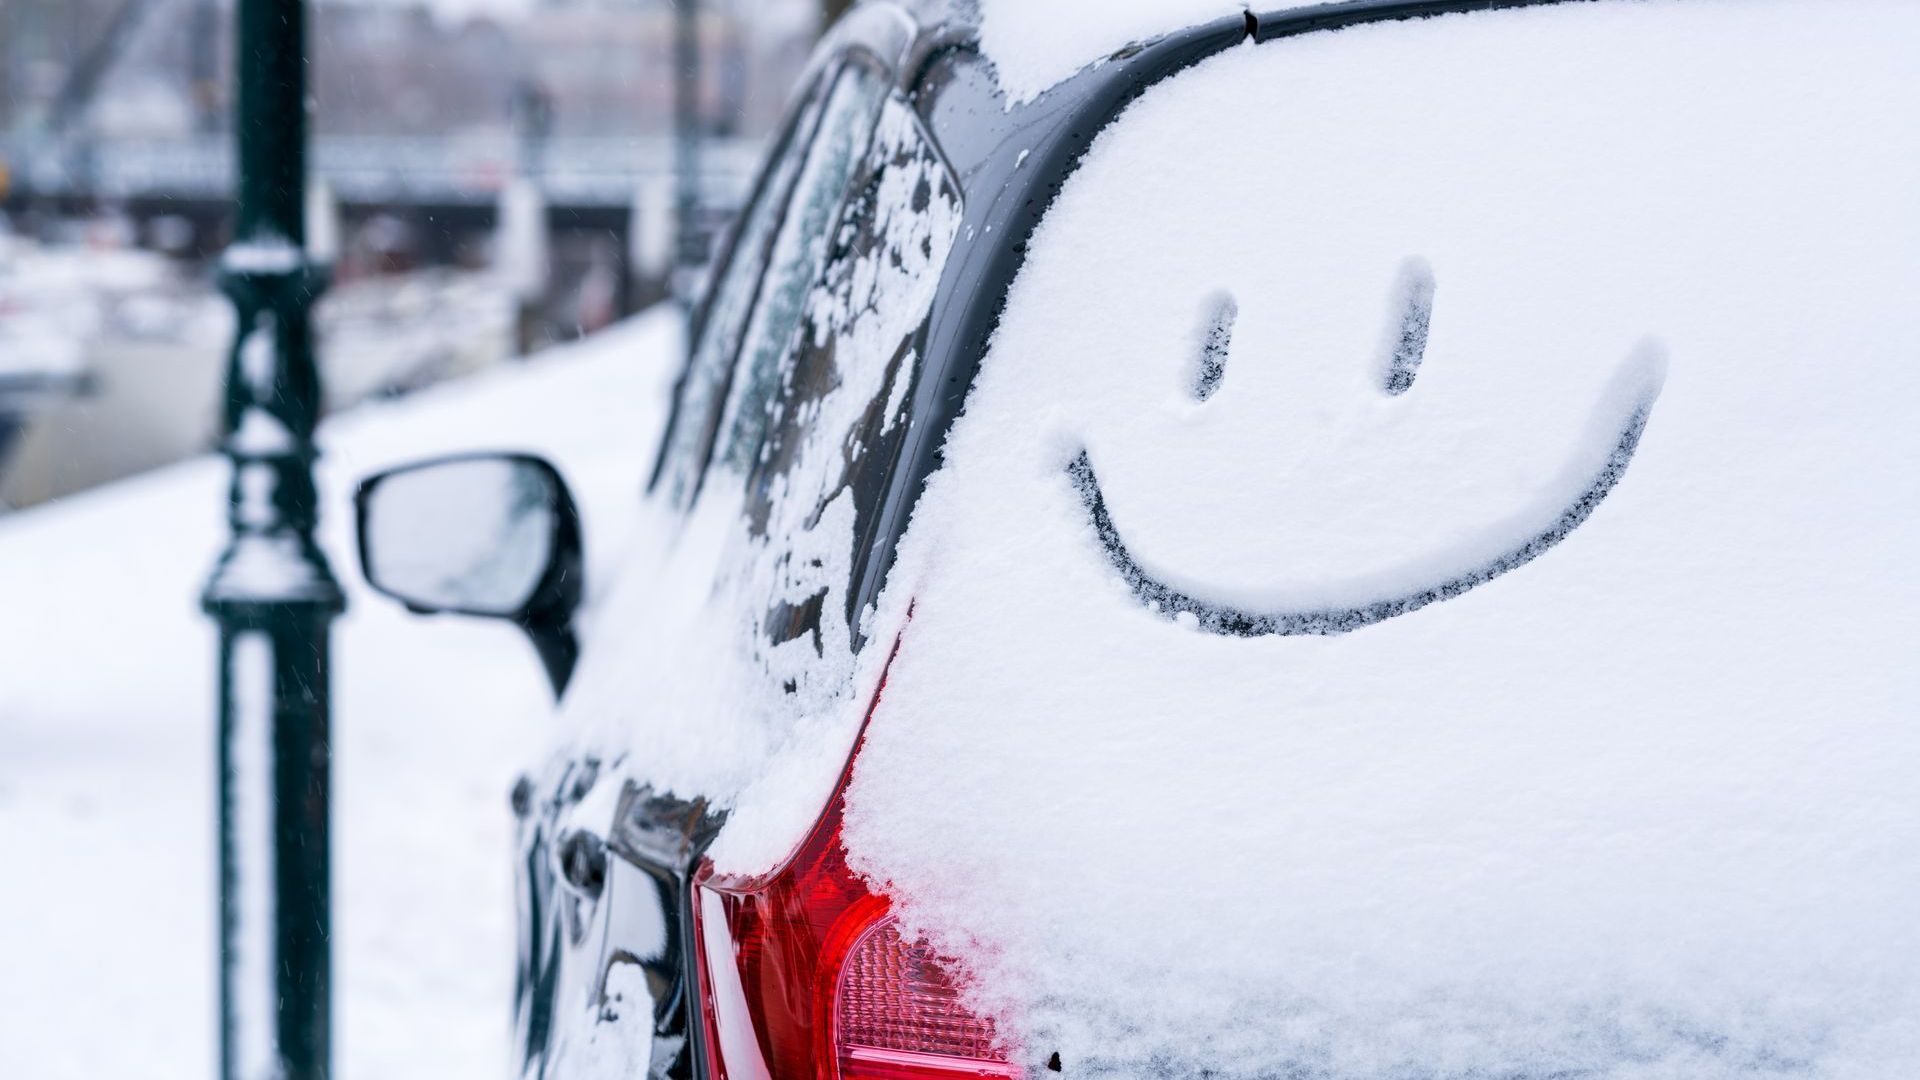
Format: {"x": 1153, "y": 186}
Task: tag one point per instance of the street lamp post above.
{"x": 271, "y": 591}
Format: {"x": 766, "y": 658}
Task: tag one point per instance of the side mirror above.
{"x": 493, "y": 535}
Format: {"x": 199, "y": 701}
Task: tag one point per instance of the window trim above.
{"x": 731, "y": 249}
{"x": 819, "y": 90}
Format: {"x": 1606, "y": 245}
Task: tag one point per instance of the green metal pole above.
{"x": 271, "y": 592}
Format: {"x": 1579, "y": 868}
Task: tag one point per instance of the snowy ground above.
{"x": 106, "y": 742}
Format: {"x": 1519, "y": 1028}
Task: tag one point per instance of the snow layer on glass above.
{"x": 726, "y": 666}
{"x": 1640, "y": 807}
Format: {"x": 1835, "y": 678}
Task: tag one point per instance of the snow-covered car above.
{"x": 1361, "y": 540}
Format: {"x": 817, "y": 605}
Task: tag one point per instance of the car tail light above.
{"x": 804, "y": 973}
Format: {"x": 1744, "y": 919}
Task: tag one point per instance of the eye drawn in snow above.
{"x": 1216, "y": 337}
{"x": 1414, "y": 293}
{"x": 1635, "y": 389}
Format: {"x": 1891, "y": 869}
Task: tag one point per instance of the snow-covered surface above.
{"x": 1034, "y": 44}
{"x": 387, "y": 334}
{"x": 1643, "y": 806}
{"x": 707, "y": 674}
{"x": 267, "y": 254}
{"x": 864, "y": 320}
{"x": 520, "y": 256}
{"x": 1640, "y": 807}
{"x": 106, "y": 745}
{"x": 465, "y": 9}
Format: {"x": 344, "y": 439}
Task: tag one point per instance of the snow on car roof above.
{"x": 1579, "y": 338}
{"x": 1034, "y": 45}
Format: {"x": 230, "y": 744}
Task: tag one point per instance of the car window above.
{"x": 711, "y": 360}
{"x": 775, "y": 258}
{"x": 691, "y": 427}
{"x": 745, "y": 631}
{"x": 799, "y": 251}
{"x": 835, "y": 426}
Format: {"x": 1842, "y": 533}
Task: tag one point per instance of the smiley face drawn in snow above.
{"x": 1690, "y": 676}
{"x": 1624, "y": 413}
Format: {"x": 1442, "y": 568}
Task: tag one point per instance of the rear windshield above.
{"x": 1424, "y": 582}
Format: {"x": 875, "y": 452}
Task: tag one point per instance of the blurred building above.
{"x": 399, "y": 67}
{"x": 114, "y": 121}
{"x": 608, "y": 65}
{"x": 55, "y": 53}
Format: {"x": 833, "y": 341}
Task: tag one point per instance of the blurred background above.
{"x": 496, "y": 186}
{"x": 488, "y": 177}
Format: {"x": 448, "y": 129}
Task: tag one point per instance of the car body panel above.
{"x": 637, "y": 909}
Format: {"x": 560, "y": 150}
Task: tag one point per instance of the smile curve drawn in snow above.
{"x": 1218, "y": 618}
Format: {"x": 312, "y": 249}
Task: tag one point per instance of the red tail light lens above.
{"x": 898, "y": 1014}
{"x": 804, "y": 974}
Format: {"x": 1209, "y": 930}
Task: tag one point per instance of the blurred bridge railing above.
{"x": 451, "y": 170}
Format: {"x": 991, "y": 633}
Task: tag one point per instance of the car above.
{"x": 1313, "y": 545}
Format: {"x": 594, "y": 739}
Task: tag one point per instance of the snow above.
{"x": 260, "y": 433}
{"x": 520, "y": 246}
{"x": 650, "y": 234}
{"x": 1572, "y": 818}
{"x": 266, "y": 254}
{"x": 383, "y": 335}
{"x": 1034, "y": 45}
{"x": 464, "y": 9}
{"x": 107, "y": 719}
{"x": 1641, "y": 807}
{"x": 270, "y": 565}
{"x": 863, "y": 321}
{"x": 707, "y": 675}
{"x": 611, "y": 1039}
{"x": 321, "y": 219}
{"x": 250, "y": 966}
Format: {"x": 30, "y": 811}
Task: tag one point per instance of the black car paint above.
{"x": 1012, "y": 163}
